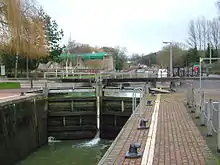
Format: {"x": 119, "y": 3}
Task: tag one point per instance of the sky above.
{"x": 139, "y": 25}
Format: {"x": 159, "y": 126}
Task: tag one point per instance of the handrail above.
{"x": 134, "y": 97}
{"x": 205, "y": 111}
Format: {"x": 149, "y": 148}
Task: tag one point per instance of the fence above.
{"x": 207, "y": 111}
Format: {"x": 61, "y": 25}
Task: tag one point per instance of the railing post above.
{"x": 209, "y": 118}
{"x": 218, "y": 135}
{"x": 133, "y": 101}
{"x": 192, "y": 105}
{"x": 203, "y": 109}
{"x": 198, "y": 107}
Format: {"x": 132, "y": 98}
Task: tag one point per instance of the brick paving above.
{"x": 3, "y": 95}
{"x": 129, "y": 134}
{"x": 178, "y": 140}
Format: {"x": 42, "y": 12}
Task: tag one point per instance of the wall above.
{"x": 72, "y": 118}
{"x": 114, "y": 114}
{"x": 108, "y": 62}
{"x": 76, "y": 117}
{"x": 22, "y": 129}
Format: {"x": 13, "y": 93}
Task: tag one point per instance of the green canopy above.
{"x": 85, "y": 56}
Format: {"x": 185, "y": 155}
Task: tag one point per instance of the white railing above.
{"x": 134, "y": 97}
{"x": 207, "y": 111}
{"x": 104, "y": 75}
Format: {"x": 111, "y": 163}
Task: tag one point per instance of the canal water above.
{"x": 77, "y": 152}
{"x": 68, "y": 153}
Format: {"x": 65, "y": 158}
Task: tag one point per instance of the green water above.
{"x": 68, "y": 153}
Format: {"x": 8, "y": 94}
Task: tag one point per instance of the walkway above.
{"x": 173, "y": 138}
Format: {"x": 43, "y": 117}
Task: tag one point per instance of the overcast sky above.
{"x": 139, "y": 25}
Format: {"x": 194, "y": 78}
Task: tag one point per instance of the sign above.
{"x": 3, "y": 70}
{"x": 196, "y": 69}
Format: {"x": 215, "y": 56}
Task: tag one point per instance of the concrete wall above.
{"x": 108, "y": 63}
{"x": 23, "y": 129}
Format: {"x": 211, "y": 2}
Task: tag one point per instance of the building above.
{"x": 99, "y": 60}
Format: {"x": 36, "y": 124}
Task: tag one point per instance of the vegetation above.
{"x": 30, "y": 36}
{"x": 9, "y": 85}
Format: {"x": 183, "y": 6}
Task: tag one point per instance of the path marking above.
{"x": 7, "y": 97}
{"x": 148, "y": 155}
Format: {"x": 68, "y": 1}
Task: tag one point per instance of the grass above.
{"x": 10, "y": 85}
{"x": 210, "y": 141}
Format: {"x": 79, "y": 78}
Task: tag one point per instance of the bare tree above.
{"x": 192, "y": 39}
{"x": 204, "y": 31}
{"x": 215, "y": 32}
{"x": 199, "y": 32}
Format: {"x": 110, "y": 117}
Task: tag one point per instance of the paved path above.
{"x": 178, "y": 140}
{"x": 129, "y": 134}
{"x": 173, "y": 138}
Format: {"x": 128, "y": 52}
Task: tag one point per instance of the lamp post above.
{"x": 171, "y": 57}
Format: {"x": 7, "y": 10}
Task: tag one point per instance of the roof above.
{"x": 85, "y": 56}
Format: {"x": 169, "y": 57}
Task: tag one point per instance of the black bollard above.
{"x": 152, "y": 93}
{"x": 133, "y": 151}
{"x": 143, "y": 124}
{"x": 149, "y": 103}
{"x": 22, "y": 94}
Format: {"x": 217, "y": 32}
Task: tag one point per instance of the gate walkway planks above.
{"x": 172, "y": 139}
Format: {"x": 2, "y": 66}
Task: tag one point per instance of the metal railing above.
{"x": 207, "y": 111}
{"x": 104, "y": 75}
{"x": 134, "y": 97}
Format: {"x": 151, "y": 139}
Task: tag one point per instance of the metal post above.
{"x": 210, "y": 54}
{"x": 31, "y": 83}
{"x": 218, "y": 135}
{"x": 209, "y": 118}
{"x": 133, "y": 101}
{"x": 171, "y": 60}
{"x": 98, "y": 88}
{"x": 200, "y": 73}
{"x": 203, "y": 109}
{"x": 122, "y": 106}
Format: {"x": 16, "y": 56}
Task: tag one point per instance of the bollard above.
{"x": 149, "y": 103}
{"x": 31, "y": 83}
{"x": 209, "y": 119}
{"x": 143, "y": 124}
{"x": 218, "y": 135}
{"x": 22, "y": 94}
{"x": 152, "y": 93}
{"x": 133, "y": 151}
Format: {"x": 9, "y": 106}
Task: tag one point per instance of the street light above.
{"x": 171, "y": 57}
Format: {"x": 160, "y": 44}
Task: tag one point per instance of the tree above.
{"x": 191, "y": 57}
{"x": 192, "y": 39}
{"x": 25, "y": 37}
{"x": 199, "y": 32}
{"x": 214, "y": 53}
{"x": 54, "y": 35}
{"x": 163, "y": 57}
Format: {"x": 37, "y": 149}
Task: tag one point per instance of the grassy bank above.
{"x": 10, "y": 85}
